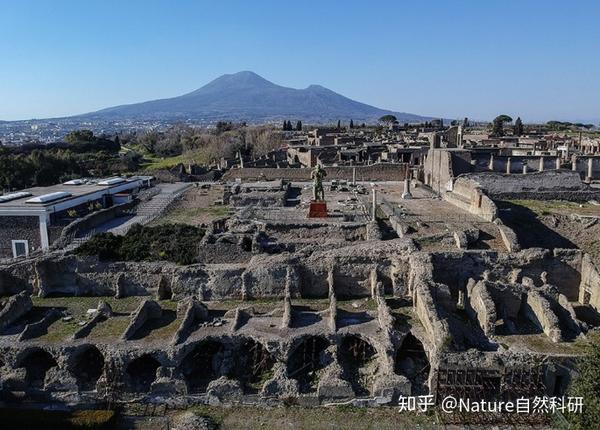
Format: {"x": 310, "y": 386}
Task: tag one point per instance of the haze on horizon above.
{"x": 534, "y": 59}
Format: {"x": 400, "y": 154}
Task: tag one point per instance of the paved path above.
{"x": 145, "y": 212}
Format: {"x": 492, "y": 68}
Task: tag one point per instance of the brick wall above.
{"x": 374, "y": 172}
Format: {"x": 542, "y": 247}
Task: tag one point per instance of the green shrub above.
{"x": 167, "y": 242}
{"x": 587, "y": 386}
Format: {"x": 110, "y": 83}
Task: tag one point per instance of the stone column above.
{"x": 574, "y": 163}
{"x": 406, "y": 194}
{"x": 354, "y": 176}
{"x": 589, "y": 169}
{"x": 557, "y": 163}
{"x": 541, "y": 168}
{"x": 524, "y": 167}
{"x": 508, "y": 166}
{"x": 491, "y": 166}
{"x": 374, "y": 204}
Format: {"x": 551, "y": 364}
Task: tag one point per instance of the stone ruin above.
{"x": 292, "y": 309}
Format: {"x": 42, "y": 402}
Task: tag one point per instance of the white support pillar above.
{"x": 354, "y": 176}
{"x": 491, "y": 165}
{"x": 524, "y": 167}
{"x": 508, "y": 165}
{"x": 44, "y": 241}
{"x": 541, "y": 168}
{"x": 590, "y": 169}
{"x": 557, "y": 163}
{"x": 574, "y": 163}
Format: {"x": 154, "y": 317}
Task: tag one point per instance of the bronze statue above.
{"x": 317, "y": 176}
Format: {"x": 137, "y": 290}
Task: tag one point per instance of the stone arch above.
{"x": 411, "y": 361}
{"x": 202, "y": 365}
{"x": 305, "y": 360}
{"x": 87, "y": 367}
{"x": 142, "y": 373}
{"x": 253, "y": 365}
{"x": 357, "y": 358}
{"x": 36, "y": 362}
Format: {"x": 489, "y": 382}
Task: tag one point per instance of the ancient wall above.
{"x": 547, "y": 185}
{"x": 374, "y": 172}
{"x": 90, "y": 221}
{"x": 438, "y": 170}
{"x": 19, "y": 228}
{"x": 562, "y": 268}
{"x": 590, "y": 283}
{"x": 468, "y": 195}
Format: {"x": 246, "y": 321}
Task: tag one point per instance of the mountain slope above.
{"x": 248, "y": 96}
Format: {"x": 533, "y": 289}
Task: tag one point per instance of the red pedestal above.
{"x": 317, "y": 210}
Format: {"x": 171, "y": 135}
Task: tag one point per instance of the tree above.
{"x": 351, "y": 124}
{"x": 299, "y": 126}
{"x": 587, "y": 386}
{"x": 80, "y": 136}
{"x": 339, "y": 126}
{"x": 465, "y": 122}
{"x": 388, "y": 119}
{"x": 284, "y": 126}
{"x": 518, "y": 128}
{"x": 498, "y": 124}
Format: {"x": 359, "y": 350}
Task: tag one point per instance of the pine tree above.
{"x": 284, "y": 128}
{"x": 518, "y": 128}
{"x": 351, "y": 124}
{"x": 299, "y": 125}
{"x": 339, "y": 124}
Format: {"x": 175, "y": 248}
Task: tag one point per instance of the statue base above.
{"x": 317, "y": 209}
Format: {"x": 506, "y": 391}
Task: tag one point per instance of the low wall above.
{"x": 546, "y": 185}
{"x": 374, "y": 172}
{"x": 467, "y": 195}
{"x": 90, "y": 221}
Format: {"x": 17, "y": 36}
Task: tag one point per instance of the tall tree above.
{"x": 388, "y": 119}
{"x": 498, "y": 124}
{"x": 351, "y": 124}
{"x": 299, "y": 125}
{"x": 518, "y": 128}
{"x": 339, "y": 126}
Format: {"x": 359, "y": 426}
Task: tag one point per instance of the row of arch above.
{"x": 248, "y": 361}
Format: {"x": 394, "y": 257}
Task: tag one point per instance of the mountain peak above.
{"x": 248, "y": 96}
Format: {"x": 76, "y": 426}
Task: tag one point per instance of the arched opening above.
{"x": 36, "y": 364}
{"x": 356, "y": 356}
{"x": 412, "y": 362}
{"x": 202, "y": 365}
{"x": 142, "y": 373}
{"x": 88, "y": 367}
{"x": 306, "y": 360}
{"x": 253, "y": 365}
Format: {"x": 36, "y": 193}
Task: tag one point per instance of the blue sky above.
{"x": 535, "y": 58}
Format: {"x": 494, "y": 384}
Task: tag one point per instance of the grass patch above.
{"x": 13, "y": 418}
{"x": 113, "y": 327}
{"x": 548, "y": 207}
{"x": 152, "y": 163}
{"x": 317, "y": 418}
{"x": 189, "y": 215}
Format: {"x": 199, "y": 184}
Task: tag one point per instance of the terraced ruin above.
{"x": 401, "y": 297}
